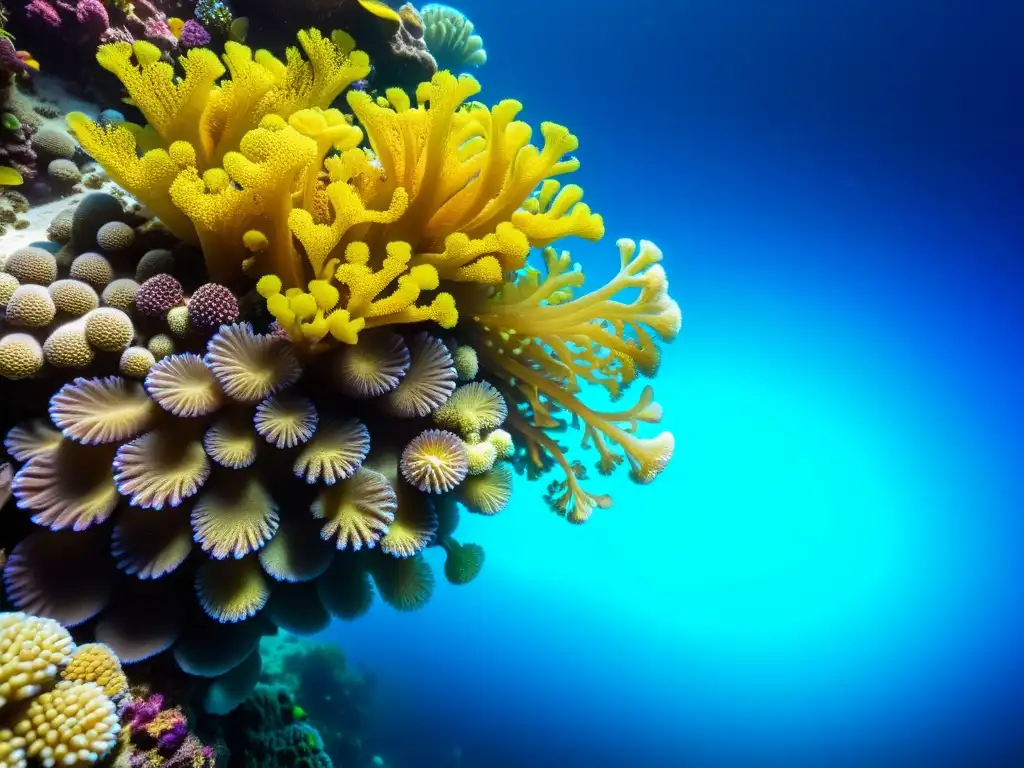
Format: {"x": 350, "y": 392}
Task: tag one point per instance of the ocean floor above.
{"x": 51, "y": 102}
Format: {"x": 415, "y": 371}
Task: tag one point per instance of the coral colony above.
{"x": 338, "y": 315}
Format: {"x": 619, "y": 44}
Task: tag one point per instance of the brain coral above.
{"x": 54, "y": 143}
{"x": 64, "y": 171}
{"x": 115, "y": 236}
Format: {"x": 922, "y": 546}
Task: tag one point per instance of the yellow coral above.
{"x": 432, "y": 222}
{"x": 74, "y": 723}
{"x": 199, "y": 122}
{"x": 97, "y": 663}
{"x": 543, "y": 342}
{"x": 32, "y": 651}
{"x": 240, "y": 165}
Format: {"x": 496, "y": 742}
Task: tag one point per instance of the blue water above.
{"x": 829, "y": 573}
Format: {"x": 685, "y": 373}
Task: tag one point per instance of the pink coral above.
{"x": 42, "y": 10}
{"x": 88, "y": 13}
{"x": 88, "y": 22}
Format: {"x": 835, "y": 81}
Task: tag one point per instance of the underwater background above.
{"x": 828, "y": 573}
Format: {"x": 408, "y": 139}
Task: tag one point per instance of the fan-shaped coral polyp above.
{"x": 231, "y": 441}
{"x": 59, "y": 575}
{"x": 150, "y": 543}
{"x": 160, "y": 469}
{"x": 286, "y": 421}
{"x": 108, "y": 410}
{"x": 334, "y": 453}
{"x": 297, "y": 608}
{"x": 373, "y": 367}
{"x": 208, "y": 648}
{"x": 405, "y": 585}
{"x": 184, "y": 386}
{"x": 232, "y": 590}
{"x": 346, "y": 590}
{"x": 234, "y": 517}
{"x": 428, "y": 383}
{"x": 413, "y": 528}
{"x": 489, "y": 493}
{"x": 435, "y": 461}
{"x": 250, "y": 366}
{"x": 473, "y": 408}
{"x": 138, "y": 634}
{"x": 69, "y": 487}
{"x": 296, "y": 553}
{"x": 30, "y": 439}
{"x": 358, "y": 511}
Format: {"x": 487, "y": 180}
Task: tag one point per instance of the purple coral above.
{"x": 89, "y": 13}
{"x": 10, "y": 61}
{"x": 171, "y": 738}
{"x": 192, "y": 754}
{"x": 92, "y": 15}
{"x": 194, "y": 35}
{"x": 42, "y": 10}
{"x": 141, "y": 712}
{"x": 161, "y": 736}
{"x": 88, "y": 22}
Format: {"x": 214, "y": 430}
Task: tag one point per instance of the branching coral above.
{"x": 367, "y": 237}
{"x": 197, "y": 125}
{"x": 543, "y": 343}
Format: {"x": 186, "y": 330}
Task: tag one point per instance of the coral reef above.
{"x": 52, "y": 710}
{"x": 376, "y": 219}
{"x": 259, "y": 410}
{"x": 54, "y": 294}
{"x": 335, "y": 699}
{"x": 450, "y": 39}
{"x": 87, "y": 23}
{"x": 62, "y": 704}
{"x": 266, "y": 732}
{"x": 392, "y": 38}
{"x": 155, "y": 734}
